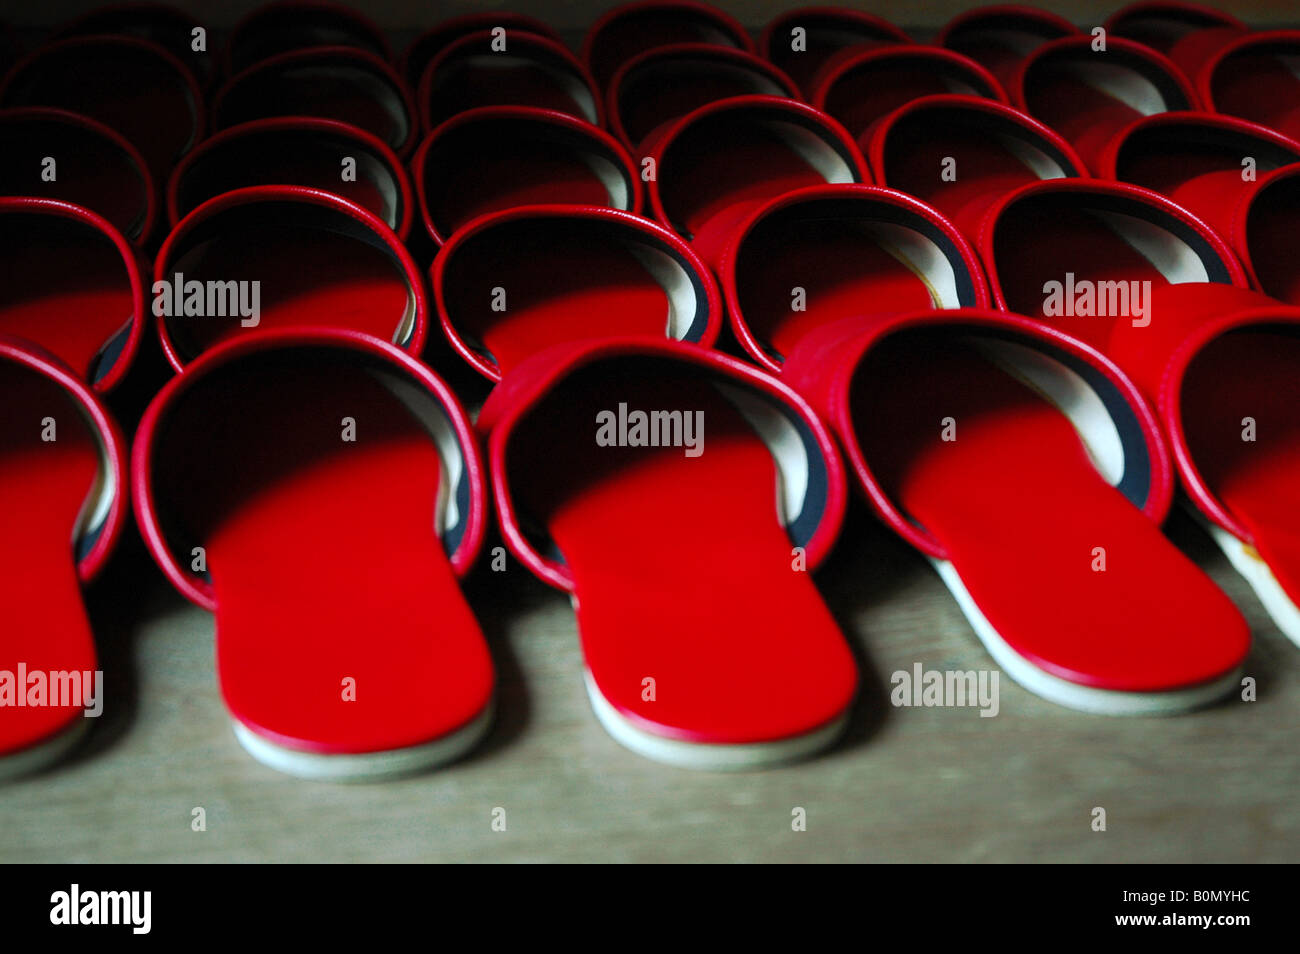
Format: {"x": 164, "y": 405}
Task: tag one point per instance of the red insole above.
{"x": 1038, "y": 243}
{"x": 309, "y": 276}
{"x": 1019, "y": 507}
{"x": 559, "y": 287}
{"x": 66, "y": 287}
{"x": 500, "y": 79}
{"x": 843, "y": 270}
{"x": 1080, "y": 112}
{"x": 91, "y": 170}
{"x": 682, "y": 571}
{"x": 985, "y": 169}
{"x": 1259, "y": 86}
{"x": 324, "y": 561}
{"x": 499, "y": 169}
{"x": 44, "y": 486}
{"x": 1270, "y": 240}
{"x": 1251, "y": 374}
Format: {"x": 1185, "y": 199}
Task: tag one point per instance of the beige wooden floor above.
{"x": 907, "y": 784}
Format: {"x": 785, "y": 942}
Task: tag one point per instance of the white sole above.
{"x": 1281, "y": 609}
{"x": 704, "y": 755}
{"x": 43, "y": 754}
{"x": 1070, "y": 694}
{"x": 365, "y": 766}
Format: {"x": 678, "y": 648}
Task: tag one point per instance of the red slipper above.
{"x": 295, "y": 150}
{"x": 1030, "y": 472}
{"x": 431, "y": 42}
{"x": 848, "y": 250}
{"x": 716, "y": 165}
{"x": 73, "y": 287}
{"x": 800, "y": 41}
{"x": 333, "y": 82}
{"x": 1208, "y": 351}
{"x": 702, "y": 646}
{"x": 1187, "y": 33}
{"x": 94, "y": 166}
{"x": 288, "y": 26}
{"x": 1263, "y": 229}
{"x": 501, "y": 157}
{"x": 1197, "y": 159}
{"x": 1088, "y": 96}
{"x": 1252, "y": 77}
{"x": 269, "y": 257}
{"x": 530, "y": 71}
{"x": 1228, "y": 391}
{"x": 513, "y": 283}
{"x": 631, "y": 28}
{"x": 128, "y": 84}
{"x": 168, "y": 26}
{"x": 1054, "y": 250}
{"x": 860, "y": 88}
{"x": 660, "y": 85}
{"x": 999, "y": 37}
{"x": 63, "y": 470}
{"x": 345, "y": 648}
{"x": 962, "y": 153}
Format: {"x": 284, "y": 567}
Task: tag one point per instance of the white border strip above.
{"x": 367, "y": 766}
{"x": 1071, "y": 694}
{"x": 704, "y": 755}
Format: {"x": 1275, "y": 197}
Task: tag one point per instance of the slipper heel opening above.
{"x": 571, "y": 276}
{"x": 340, "y": 83}
{"x": 425, "y": 47}
{"x": 1269, "y": 236}
{"x": 999, "y": 38}
{"x": 131, "y": 85}
{"x": 768, "y": 147}
{"x": 303, "y": 152}
{"x": 1257, "y": 76}
{"x": 992, "y": 148}
{"x": 826, "y": 32}
{"x": 1197, "y": 161}
{"x": 632, "y": 28}
{"x": 1088, "y": 96}
{"x": 498, "y": 158}
{"x": 96, "y": 167}
{"x": 1088, "y": 260}
{"x": 472, "y": 72}
{"x": 72, "y": 288}
{"x": 271, "y": 257}
{"x": 665, "y": 84}
{"x": 853, "y": 251}
{"x": 867, "y": 86}
{"x": 288, "y": 25}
